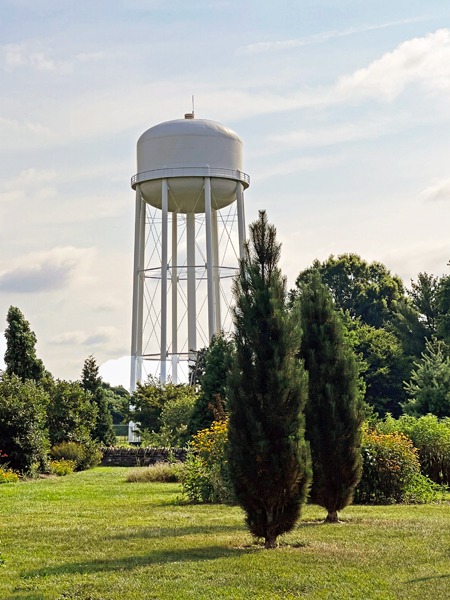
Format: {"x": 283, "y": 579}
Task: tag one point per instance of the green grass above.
{"x": 93, "y": 536}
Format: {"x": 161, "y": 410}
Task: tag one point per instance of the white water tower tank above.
{"x": 185, "y": 168}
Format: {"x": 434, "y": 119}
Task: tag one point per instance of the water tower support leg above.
{"x": 165, "y": 203}
{"x": 209, "y": 257}
{"x": 138, "y": 291}
{"x": 174, "y": 298}
{"x": 192, "y": 322}
{"x": 215, "y": 249}
{"x": 241, "y": 218}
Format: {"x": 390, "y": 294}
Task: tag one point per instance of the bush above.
{"x": 71, "y": 415}
{"x": 62, "y": 467}
{"x": 431, "y": 437}
{"x": 161, "y": 472}
{"x": 22, "y": 423}
{"x": 206, "y": 476}
{"x": 85, "y": 456}
{"x": 390, "y": 465}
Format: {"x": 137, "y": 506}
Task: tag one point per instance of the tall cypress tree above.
{"x": 92, "y": 382}
{"x": 20, "y": 355}
{"x": 333, "y": 411}
{"x": 267, "y": 454}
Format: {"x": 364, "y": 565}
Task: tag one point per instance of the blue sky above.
{"x": 343, "y": 108}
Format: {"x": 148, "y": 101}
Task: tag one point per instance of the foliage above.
{"x": 267, "y": 452}
{"x": 431, "y": 437}
{"x": 84, "y": 455}
{"x": 91, "y": 383}
{"x": 62, "y": 467}
{"x": 206, "y": 477}
{"x": 162, "y": 472}
{"x": 213, "y": 382}
{"x": 443, "y": 307}
{"x": 116, "y": 396}
{"x": 20, "y": 355}
{"x": 149, "y": 400}
{"x": 390, "y": 464}
{"x": 23, "y": 431}
{"x": 423, "y": 296}
{"x": 368, "y": 291}
{"x": 71, "y": 415}
{"x": 382, "y": 364}
{"x": 429, "y": 387}
{"x": 333, "y": 411}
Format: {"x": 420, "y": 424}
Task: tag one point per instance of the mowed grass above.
{"x": 93, "y": 536}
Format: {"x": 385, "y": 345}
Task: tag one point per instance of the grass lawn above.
{"x": 92, "y": 536}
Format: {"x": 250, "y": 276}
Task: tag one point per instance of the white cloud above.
{"x": 318, "y": 38}
{"x": 439, "y": 191}
{"x": 304, "y": 163}
{"x": 22, "y": 55}
{"x": 68, "y": 337}
{"x": 117, "y": 371}
{"x": 423, "y": 60}
{"x": 100, "y": 335}
{"x": 45, "y": 271}
{"x": 336, "y": 134}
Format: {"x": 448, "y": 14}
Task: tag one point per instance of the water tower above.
{"x": 189, "y": 175}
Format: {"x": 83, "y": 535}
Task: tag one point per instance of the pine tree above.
{"x": 267, "y": 453}
{"x": 20, "y": 355}
{"x": 333, "y": 411}
{"x": 429, "y": 387}
{"x": 91, "y": 382}
{"x": 213, "y": 383}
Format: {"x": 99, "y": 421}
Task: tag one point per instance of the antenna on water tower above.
{"x": 189, "y": 175}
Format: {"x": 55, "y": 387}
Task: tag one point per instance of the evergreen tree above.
{"x": 429, "y": 387}
{"x": 91, "y": 382}
{"x": 20, "y": 355}
{"x": 213, "y": 383}
{"x": 333, "y": 411}
{"x": 267, "y": 454}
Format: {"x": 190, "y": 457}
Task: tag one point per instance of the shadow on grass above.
{"x": 131, "y": 562}
{"x": 428, "y": 578}
{"x": 160, "y": 532}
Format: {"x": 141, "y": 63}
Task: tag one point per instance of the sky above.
{"x": 343, "y": 107}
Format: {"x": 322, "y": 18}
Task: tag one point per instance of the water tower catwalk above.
{"x": 186, "y": 241}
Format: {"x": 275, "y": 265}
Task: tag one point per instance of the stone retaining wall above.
{"x": 139, "y": 457}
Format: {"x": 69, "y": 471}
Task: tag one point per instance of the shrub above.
{"x": 62, "y": 467}
{"x": 205, "y": 477}
{"x": 85, "y": 456}
{"x": 71, "y": 415}
{"x": 161, "y": 472}
{"x": 431, "y": 437}
{"x": 390, "y": 464}
{"x": 22, "y": 423}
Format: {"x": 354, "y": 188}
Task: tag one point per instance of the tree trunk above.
{"x": 332, "y": 517}
{"x": 270, "y": 542}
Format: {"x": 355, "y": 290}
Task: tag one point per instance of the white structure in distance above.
{"x": 189, "y": 177}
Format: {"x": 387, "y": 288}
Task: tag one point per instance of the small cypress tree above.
{"x": 267, "y": 454}
{"x": 333, "y": 411}
{"x": 213, "y": 383}
{"x": 20, "y": 355}
{"x": 91, "y": 382}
